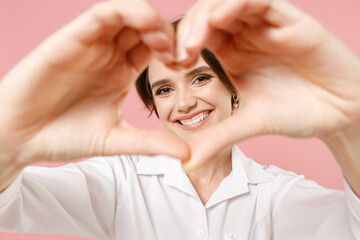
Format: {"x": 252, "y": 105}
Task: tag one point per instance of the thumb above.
{"x": 135, "y": 141}
{"x": 205, "y": 145}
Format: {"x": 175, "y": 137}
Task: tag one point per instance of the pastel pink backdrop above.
{"x": 24, "y": 24}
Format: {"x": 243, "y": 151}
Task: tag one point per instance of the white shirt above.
{"x": 140, "y": 197}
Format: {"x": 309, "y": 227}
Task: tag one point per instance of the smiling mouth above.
{"x": 194, "y": 120}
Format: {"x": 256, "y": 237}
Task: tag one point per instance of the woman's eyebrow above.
{"x": 198, "y": 70}
{"x": 188, "y": 74}
{"x": 158, "y": 83}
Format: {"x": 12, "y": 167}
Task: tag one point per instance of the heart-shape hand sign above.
{"x": 65, "y": 100}
{"x": 293, "y": 77}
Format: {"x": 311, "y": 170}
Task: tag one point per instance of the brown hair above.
{"x": 143, "y": 87}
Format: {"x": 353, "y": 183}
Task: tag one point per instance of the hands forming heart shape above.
{"x": 64, "y": 101}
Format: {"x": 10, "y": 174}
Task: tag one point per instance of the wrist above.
{"x": 345, "y": 142}
{"x": 345, "y": 145}
{"x": 9, "y": 169}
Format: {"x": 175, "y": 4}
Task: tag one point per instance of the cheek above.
{"x": 164, "y": 108}
{"x": 219, "y": 96}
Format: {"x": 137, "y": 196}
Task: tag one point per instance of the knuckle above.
{"x": 98, "y": 7}
{"x": 152, "y": 20}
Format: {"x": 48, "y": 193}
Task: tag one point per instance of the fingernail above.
{"x": 165, "y": 56}
{"x": 194, "y": 35}
{"x": 168, "y": 56}
{"x": 162, "y": 36}
{"x": 182, "y": 54}
{"x": 155, "y": 36}
{"x": 197, "y": 35}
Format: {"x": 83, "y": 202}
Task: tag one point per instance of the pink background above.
{"x": 24, "y": 24}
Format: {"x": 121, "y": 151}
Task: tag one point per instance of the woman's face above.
{"x": 188, "y": 100}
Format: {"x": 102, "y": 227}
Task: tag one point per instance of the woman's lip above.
{"x": 190, "y": 116}
{"x": 196, "y": 125}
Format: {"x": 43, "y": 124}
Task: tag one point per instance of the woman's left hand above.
{"x": 293, "y": 77}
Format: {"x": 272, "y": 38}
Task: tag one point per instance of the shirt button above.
{"x": 201, "y": 233}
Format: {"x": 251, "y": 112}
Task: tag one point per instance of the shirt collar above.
{"x": 244, "y": 172}
{"x": 169, "y": 167}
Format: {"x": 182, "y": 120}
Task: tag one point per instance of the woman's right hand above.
{"x": 65, "y": 100}
{"x": 294, "y": 78}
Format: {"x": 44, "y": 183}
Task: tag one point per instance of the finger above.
{"x": 182, "y": 31}
{"x": 101, "y": 20}
{"x": 282, "y": 13}
{"x": 234, "y": 27}
{"x": 230, "y": 10}
{"x": 145, "y": 142}
{"x": 193, "y": 24}
{"x": 162, "y": 40}
{"x": 245, "y": 59}
{"x": 212, "y": 140}
{"x": 276, "y": 13}
{"x": 225, "y": 14}
{"x": 127, "y": 39}
{"x": 106, "y": 19}
{"x": 139, "y": 57}
{"x": 187, "y": 56}
{"x": 167, "y": 58}
{"x": 217, "y": 40}
{"x": 158, "y": 40}
{"x": 162, "y": 46}
{"x": 195, "y": 30}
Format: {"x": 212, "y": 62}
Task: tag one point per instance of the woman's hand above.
{"x": 65, "y": 100}
{"x": 293, "y": 77}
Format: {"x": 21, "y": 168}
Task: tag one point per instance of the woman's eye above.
{"x": 163, "y": 91}
{"x": 202, "y": 79}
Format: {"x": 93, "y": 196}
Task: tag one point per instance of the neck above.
{"x": 207, "y": 178}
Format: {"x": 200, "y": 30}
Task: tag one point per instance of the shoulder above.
{"x": 287, "y": 179}
{"x": 283, "y": 182}
{"x": 279, "y": 176}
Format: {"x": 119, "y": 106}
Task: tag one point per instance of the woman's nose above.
{"x": 185, "y": 101}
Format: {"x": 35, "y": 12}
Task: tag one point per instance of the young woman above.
{"x": 64, "y": 101}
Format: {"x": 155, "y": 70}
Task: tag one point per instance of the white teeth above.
{"x": 195, "y": 120}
